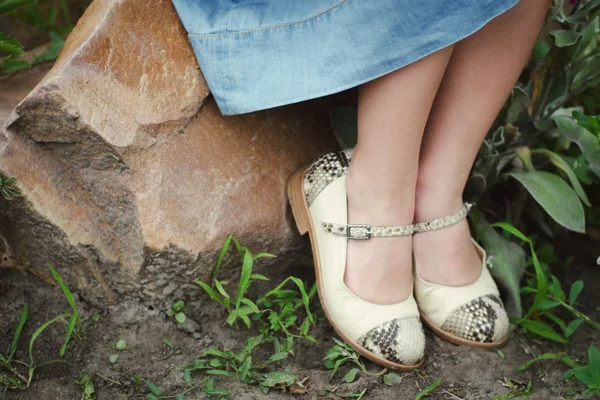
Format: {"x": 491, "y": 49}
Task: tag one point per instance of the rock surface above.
{"x": 131, "y": 177}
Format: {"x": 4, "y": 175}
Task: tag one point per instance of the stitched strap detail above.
{"x": 362, "y": 231}
{"x": 443, "y": 222}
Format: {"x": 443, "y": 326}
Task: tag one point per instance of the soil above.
{"x": 467, "y": 373}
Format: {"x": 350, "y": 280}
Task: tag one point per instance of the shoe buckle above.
{"x": 358, "y": 231}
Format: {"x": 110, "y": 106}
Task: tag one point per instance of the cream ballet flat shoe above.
{"x": 471, "y": 315}
{"x": 391, "y": 334}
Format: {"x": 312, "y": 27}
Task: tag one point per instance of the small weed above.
{"x": 588, "y": 375}
{"x": 86, "y": 385}
{"x": 168, "y": 343}
{"x": 427, "y": 391}
{"x": 17, "y": 378}
{"x": 550, "y": 301}
{"x": 516, "y": 390}
{"x": 175, "y": 311}
{"x": 357, "y": 396}
{"x": 392, "y": 379}
{"x": 6, "y": 189}
{"x": 120, "y": 346}
{"x": 341, "y": 354}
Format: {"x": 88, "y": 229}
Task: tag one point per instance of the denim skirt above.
{"x": 259, "y": 54}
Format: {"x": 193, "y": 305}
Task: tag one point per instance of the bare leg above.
{"x": 381, "y": 181}
{"x": 480, "y": 75}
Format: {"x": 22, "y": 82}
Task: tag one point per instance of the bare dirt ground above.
{"x": 467, "y": 373}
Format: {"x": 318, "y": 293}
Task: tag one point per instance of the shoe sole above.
{"x": 297, "y": 199}
{"x": 458, "y": 340}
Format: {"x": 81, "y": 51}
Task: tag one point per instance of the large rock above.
{"x": 131, "y": 177}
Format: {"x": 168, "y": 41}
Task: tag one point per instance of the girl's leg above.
{"x": 381, "y": 180}
{"x": 479, "y": 77}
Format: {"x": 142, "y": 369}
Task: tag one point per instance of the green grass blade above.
{"x": 40, "y": 330}
{"x": 305, "y": 297}
{"x": 210, "y": 291}
{"x": 221, "y": 256}
{"x": 22, "y": 320}
{"x": 64, "y": 287}
{"x": 244, "y": 278}
{"x": 70, "y": 328}
{"x": 429, "y": 389}
{"x": 539, "y": 272}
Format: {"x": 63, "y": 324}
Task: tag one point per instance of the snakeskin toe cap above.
{"x": 401, "y": 340}
{"x": 483, "y": 319}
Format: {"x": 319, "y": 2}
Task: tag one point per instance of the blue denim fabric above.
{"x": 258, "y": 54}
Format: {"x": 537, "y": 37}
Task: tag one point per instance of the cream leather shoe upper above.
{"x": 472, "y": 312}
{"x": 393, "y": 331}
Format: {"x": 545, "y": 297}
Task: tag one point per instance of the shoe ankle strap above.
{"x": 363, "y": 231}
{"x": 443, "y": 222}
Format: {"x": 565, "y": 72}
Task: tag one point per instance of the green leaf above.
{"x": 547, "y": 356}
{"x": 9, "y": 44}
{"x": 428, "y": 389}
{"x": 563, "y": 38}
{"x": 560, "y": 163}
{"x": 180, "y": 317}
{"x": 542, "y": 329}
{"x": 244, "y": 278}
{"x": 40, "y": 330}
{"x": 391, "y": 379}
{"x": 351, "y": 375}
{"x": 178, "y": 305}
{"x": 305, "y": 298}
{"x": 152, "y": 387}
{"x": 576, "y": 288}
{"x": 22, "y": 321}
{"x": 68, "y": 333}
{"x": 555, "y": 196}
{"x": 587, "y": 142}
{"x": 584, "y": 375}
{"x": 250, "y": 304}
{"x": 259, "y": 277}
{"x": 252, "y": 342}
{"x": 222, "y": 255}
{"x": 64, "y": 287}
{"x": 218, "y": 372}
{"x": 274, "y": 378}
{"x": 113, "y": 358}
{"x": 547, "y": 304}
{"x": 210, "y": 291}
{"x": 594, "y": 356}
{"x": 508, "y": 264}
{"x": 121, "y": 345}
{"x": 261, "y": 255}
{"x": 570, "y": 330}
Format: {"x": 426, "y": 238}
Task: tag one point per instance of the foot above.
{"x": 445, "y": 256}
{"x": 378, "y": 270}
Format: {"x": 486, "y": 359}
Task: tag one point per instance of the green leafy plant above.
{"x": 275, "y": 312}
{"x": 85, "y": 383}
{"x": 247, "y": 369}
{"x": 550, "y": 302}
{"x": 341, "y": 354}
{"x": 588, "y": 375}
{"x": 21, "y": 373}
{"x": 516, "y": 390}
{"x": 275, "y": 315}
{"x": 120, "y": 346}
{"x": 34, "y": 13}
{"x": 6, "y": 189}
{"x": 175, "y": 311}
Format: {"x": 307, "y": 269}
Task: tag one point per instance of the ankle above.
{"x": 374, "y": 195}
